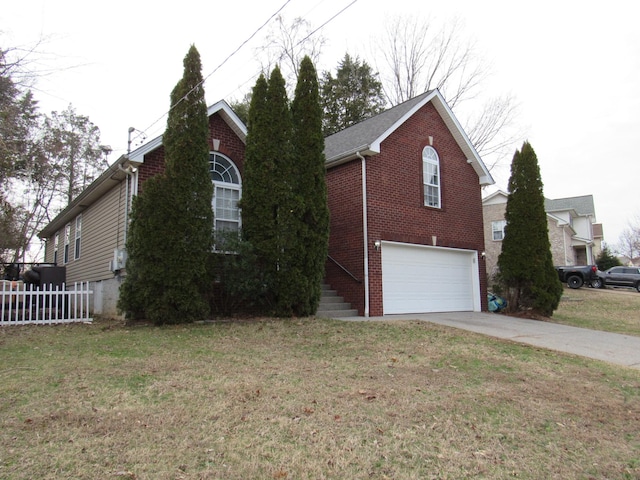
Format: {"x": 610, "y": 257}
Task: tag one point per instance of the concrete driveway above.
{"x": 609, "y": 347}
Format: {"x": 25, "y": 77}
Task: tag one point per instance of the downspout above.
{"x": 129, "y": 172}
{"x": 365, "y": 235}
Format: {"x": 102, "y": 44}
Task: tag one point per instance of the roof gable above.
{"x": 118, "y": 170}
{"x": 222, "y": 108}
{"x": 365, "y": 137}
{"x": 497, "y": 197}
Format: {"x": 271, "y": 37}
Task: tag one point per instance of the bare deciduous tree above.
{"x": 287, "y": 44}
{"x": 629, "y": 240}
{"x": 44, "y": 161}
{"x": 417, "y": 57}
{"x": 490, "y": 129}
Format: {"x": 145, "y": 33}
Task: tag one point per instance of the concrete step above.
{"x": 336, "y": 313}
{"x": 331, "y": 299}
{"x": 333, "y": 306}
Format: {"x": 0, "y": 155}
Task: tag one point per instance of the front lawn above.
{"x": 307, "y": 399}
{"x": 611, "y": 310}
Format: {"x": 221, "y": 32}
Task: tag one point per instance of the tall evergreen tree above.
{"x": 258, "y": 202}
{"x": 525, "y": 263}
{"x": 267, "y": 204}
{"x": 353, "y": 95}
{"x": 284, "y": 205}
{"x": 172, "y": 220}
{"x": 288, "y": 277}
{"x": 310, "y": 190}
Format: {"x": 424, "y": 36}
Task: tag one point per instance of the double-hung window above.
{"x": 226, "y": 193}
{"x": 67, "y": 234}
{"x": 497, "y": 229}
{"x": 431, "y": 177}
{"x": 76, "y": 250}
{"x": 56, "y": 245}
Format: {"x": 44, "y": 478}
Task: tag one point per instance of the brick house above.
{"x": 404, "y": 192}
{"x": 574, "y": 236}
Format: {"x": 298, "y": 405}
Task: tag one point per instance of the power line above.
{"x": 223, "y": 62}
{"x": 232, "y": 54}
{"x": 325, "y": 23}
{"x": 305, "y": 38}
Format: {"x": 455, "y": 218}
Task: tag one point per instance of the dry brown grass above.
{"x": 611, "y": 310}
{"x": 307, "y": 399}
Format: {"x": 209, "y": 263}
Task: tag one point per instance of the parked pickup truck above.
{"x": 577, "y": 276}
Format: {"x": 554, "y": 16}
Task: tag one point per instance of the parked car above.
{"x": 621, "y": 277}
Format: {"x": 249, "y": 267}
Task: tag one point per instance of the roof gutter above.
{"x": 105, "y": 181}
{"x": 345, "y": 157}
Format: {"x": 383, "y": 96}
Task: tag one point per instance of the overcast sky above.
{"x": 572, "y": 66}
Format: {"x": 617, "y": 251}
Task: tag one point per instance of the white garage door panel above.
{"x": 419, "y": 279}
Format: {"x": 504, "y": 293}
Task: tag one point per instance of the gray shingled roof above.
{"x": 583, "y": 205}
{"x": 363, "y": 134}
{"x": 365, "y": 138}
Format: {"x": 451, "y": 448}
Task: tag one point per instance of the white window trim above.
{"x": 67, "y": 235}
{"x": 227, "y": 185}
{"x": 78, "y": 238}
{"x": 494, "y": 230}
{"x": 430, "y": 157}
{"x": 56, "y": 246}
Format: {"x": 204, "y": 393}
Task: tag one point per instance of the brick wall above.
{"x": 492, "y": 247}
{"x": 344, "y": 193}
{"x": 152, "y": 166}
{"x": 230, "y": 145}
{"x": 396, "y": 205}
{"x": 560, "y": 240}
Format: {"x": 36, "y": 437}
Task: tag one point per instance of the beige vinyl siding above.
{"x": 48, "y": 249}
{"x": 102, "y": 231}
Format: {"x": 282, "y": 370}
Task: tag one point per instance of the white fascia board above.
{"x": 376, "y": 144}
{"x": 462, "y": 139}
{"x": 484, "y": 176}
{"x": 137, "y": 156}
{"x": 364, "y": 150}
{"x": 579, "y": 241}
{"x": 497, "y": 197}
{"x": 229, "y": 116}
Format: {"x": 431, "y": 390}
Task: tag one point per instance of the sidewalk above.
{"x": 609, "y": 347}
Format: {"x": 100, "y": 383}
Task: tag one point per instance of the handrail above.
{"x": 344, "y": 269}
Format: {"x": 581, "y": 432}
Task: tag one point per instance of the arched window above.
{"x": 227, "y": 191}
{"x": 431, "y": 177}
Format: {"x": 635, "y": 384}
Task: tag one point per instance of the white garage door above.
{"x": 422, "y": 279}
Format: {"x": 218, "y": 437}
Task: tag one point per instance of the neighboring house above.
{"x": 404, "y": 192}
{"x": 574, "y": 236}
{"x": 598, "y": 239}
{"x": 629, "y": 262}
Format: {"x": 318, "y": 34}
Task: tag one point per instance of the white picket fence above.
{"x": 22, "y": 304}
